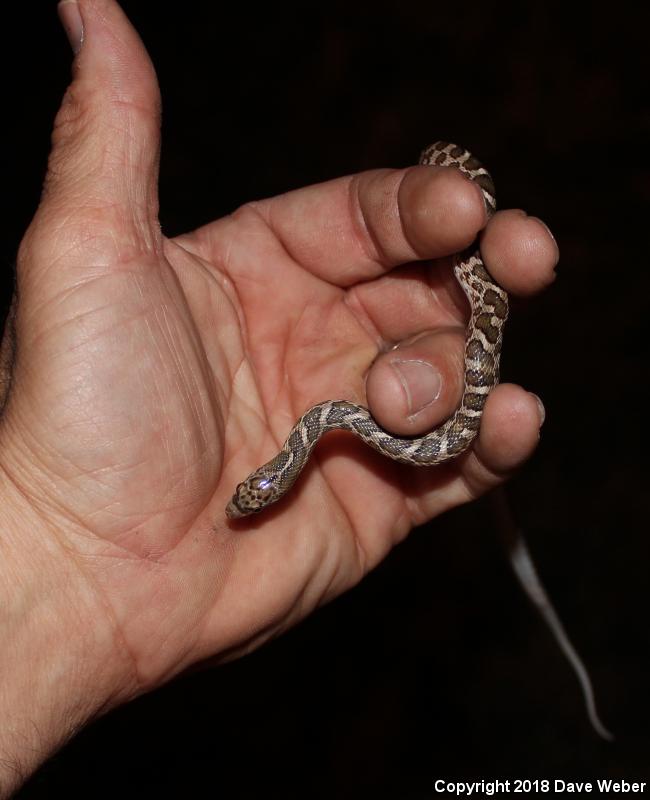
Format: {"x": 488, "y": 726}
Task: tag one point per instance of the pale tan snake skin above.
{"x": 489, "y": 310}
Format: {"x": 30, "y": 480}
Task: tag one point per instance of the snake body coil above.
{"x": 489, "y": 310}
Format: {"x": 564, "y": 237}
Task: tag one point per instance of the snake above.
{"x": 484, "y": 333}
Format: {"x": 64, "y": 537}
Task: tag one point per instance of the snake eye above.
{"x": 264, "y": 483}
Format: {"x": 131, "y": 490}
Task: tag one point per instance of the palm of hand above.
{"x": 149, "y": 390}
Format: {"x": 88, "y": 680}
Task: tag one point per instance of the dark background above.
{"x": 435, "y": 666}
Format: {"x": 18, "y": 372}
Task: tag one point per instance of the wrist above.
{"x": 58, "y": 663}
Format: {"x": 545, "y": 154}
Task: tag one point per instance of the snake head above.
{"x": 253, "y": 495}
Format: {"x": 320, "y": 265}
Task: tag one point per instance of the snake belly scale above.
{"x": 488, "y": 313}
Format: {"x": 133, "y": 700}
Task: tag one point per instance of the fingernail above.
{"x": 548, "y": 230}
{"x": 420, "y": 381}
{"x": 488, "y": 211}
{"x": 542, "y": 410}
{"x": 545, "y": 226}
{"x": 70, "y": 17}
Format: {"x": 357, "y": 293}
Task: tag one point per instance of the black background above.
{"x": 435, "y": 666}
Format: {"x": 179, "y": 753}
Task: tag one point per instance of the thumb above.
{"x": 99, "y": 204}
{"x": 418, "y": 384}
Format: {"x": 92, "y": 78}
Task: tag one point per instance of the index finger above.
{"x": 361, "y": 226}
{"x": 358, "y": 227}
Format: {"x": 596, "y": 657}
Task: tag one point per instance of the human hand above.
{"x": 151, "y": 375}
